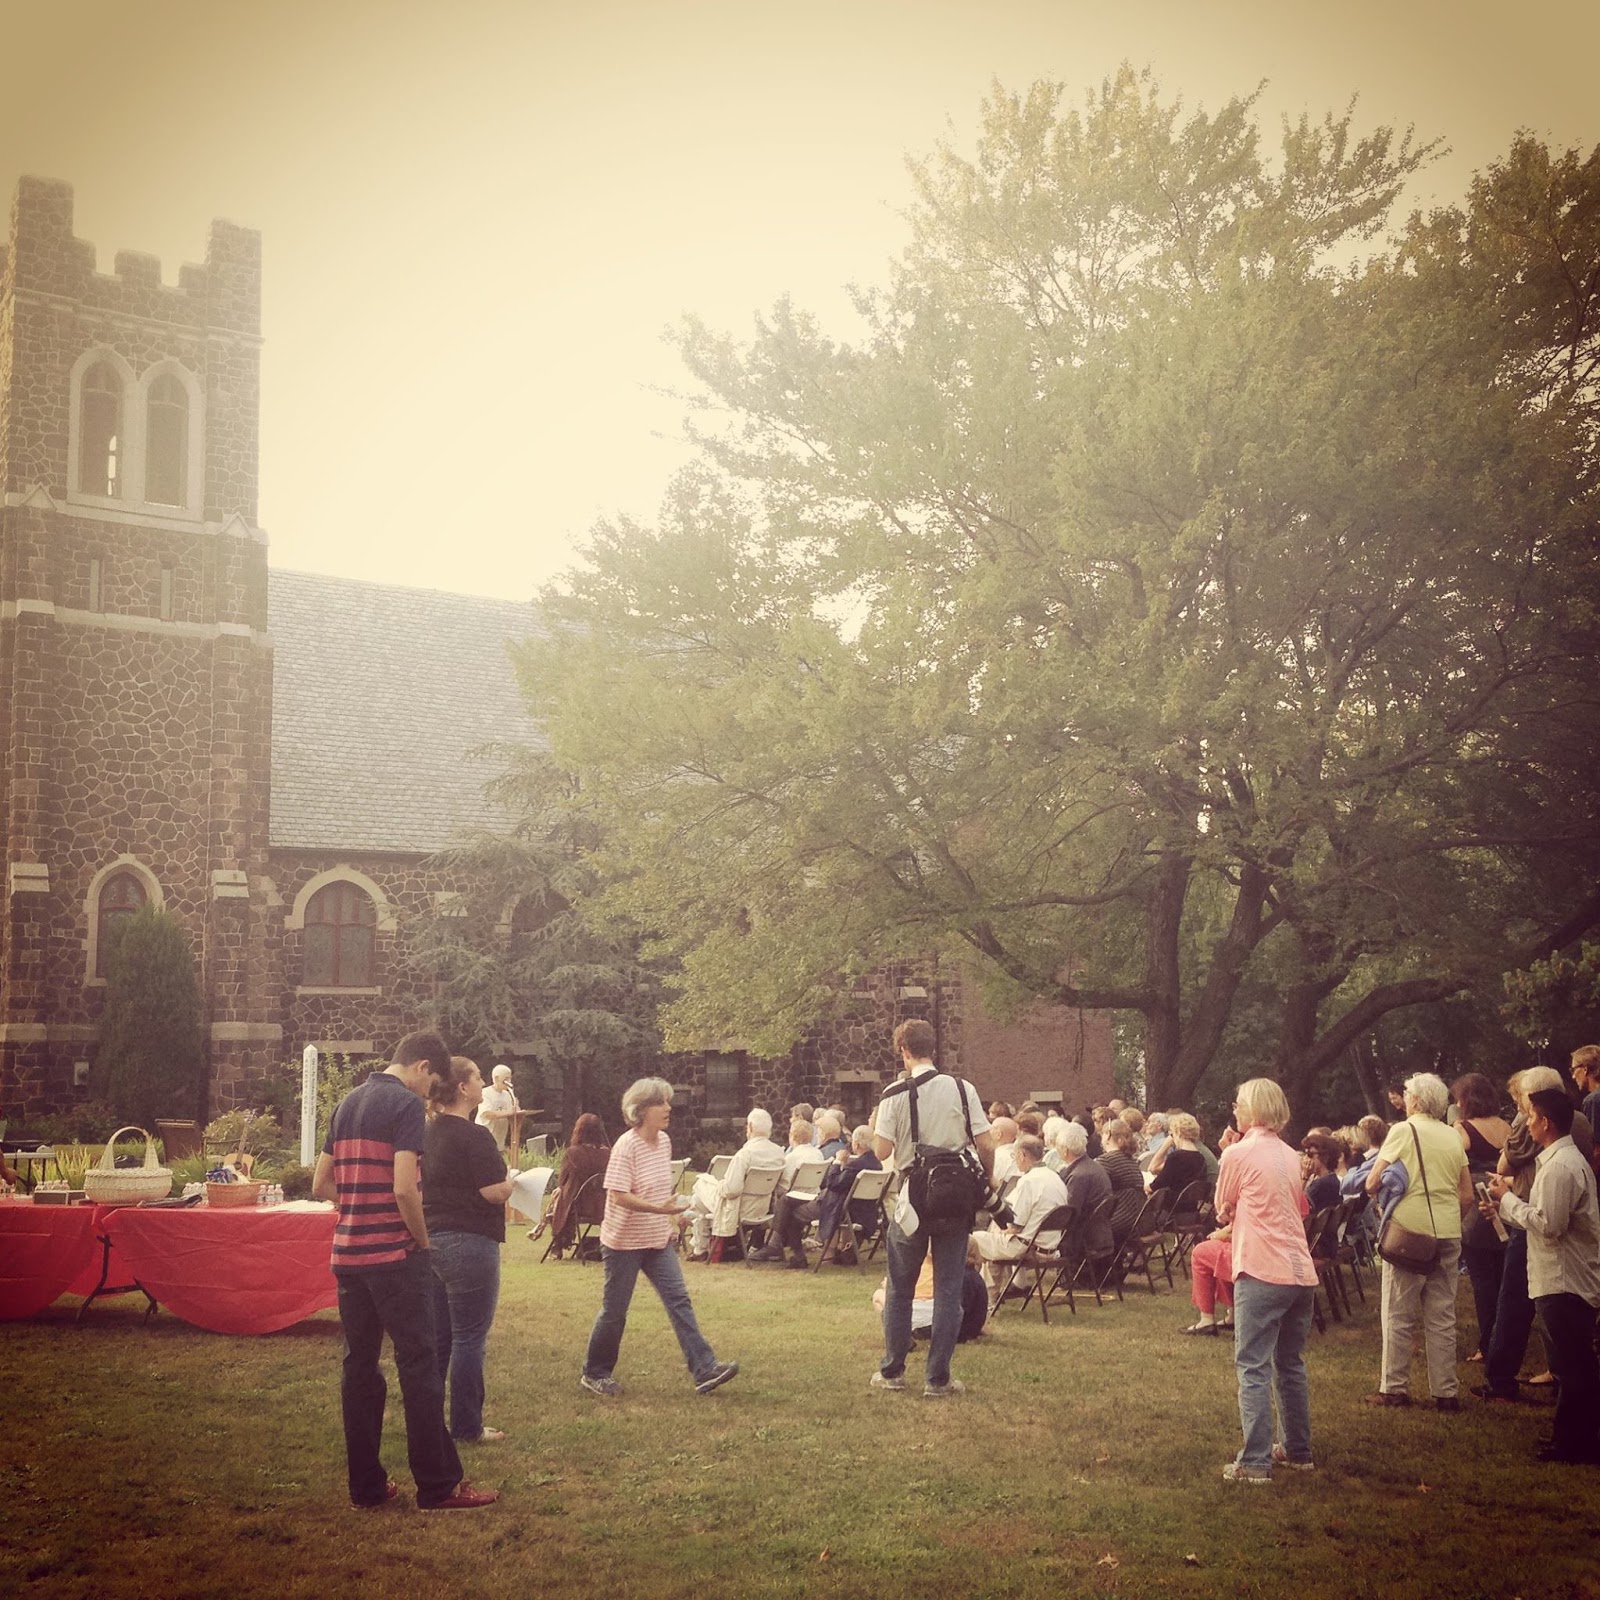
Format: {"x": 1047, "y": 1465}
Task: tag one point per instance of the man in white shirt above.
{"x": 498, "y": 1108}
{"x": 1004, "y": 1132}
{"x": 1037, "y": 1193}
{"x": 716, "y": 1206}
{"x": 945, "y": 1106}
{"x": 1562, "y": 1222}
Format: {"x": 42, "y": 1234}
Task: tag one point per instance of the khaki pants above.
{"x": 1413, "y": 1300}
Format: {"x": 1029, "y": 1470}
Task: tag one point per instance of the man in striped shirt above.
{"x": 371, "y": 1168}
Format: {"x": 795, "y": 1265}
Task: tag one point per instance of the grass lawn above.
{"x": 162, "y": 1460}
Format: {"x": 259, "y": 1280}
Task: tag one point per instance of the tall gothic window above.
{"x": 120, "y": 896}
{"x": 100, "y": 432}
{"x": 166, "y": 455}
{"x": 340, "y": 927}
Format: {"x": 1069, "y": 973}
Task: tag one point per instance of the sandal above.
{"x": 1545, "y": 1380}
{"x": 1200, "y": 1327}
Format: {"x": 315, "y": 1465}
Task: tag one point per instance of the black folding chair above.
{"x": 1193, "y": 1218}
{"x": 1138, "y": 1250}
{"x": 869, "y": 1184}
{"x": 1038, "y": 1260}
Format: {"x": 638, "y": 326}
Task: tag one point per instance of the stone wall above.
{"x": 135, "y": 724}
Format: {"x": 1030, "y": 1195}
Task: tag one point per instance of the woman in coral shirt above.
{"x": 1259, "y": 1191}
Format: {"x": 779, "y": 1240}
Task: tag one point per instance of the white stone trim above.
{"x": 345, "y": 1047}
{"x": 296, "y": 920}
{"x": 195, "y": 330}
{"x": 449, "y": 903}
{"x": 229, "y": 883}
{"x": 131, "y": 505}
{"x": 28, "y": 877}
{"x": 246, "y": 1033}
{"x": 194, "y": 490}
{"x": 91, "y": 907}
{"x": 232, "y": 526}
{"x": 92, "y": 357}
{"x": 132, "y": 622}
{"x": 331, "y": 991}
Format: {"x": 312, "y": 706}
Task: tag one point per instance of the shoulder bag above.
{"x": 1402, "y": 1247}
{"x": 946, "y": 1186}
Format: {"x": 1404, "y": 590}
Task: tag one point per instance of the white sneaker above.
{"x": 878, "y": 1381}
{"x": 943, "y": 1391}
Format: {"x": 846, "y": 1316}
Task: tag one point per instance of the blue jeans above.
{"x": 1513, "y": 1319}
{"x": 1271, "y": 1322}
{"x": 397, "y": 1301}
{"x": 906, "y": 1255}
{"x": 665, "y": 1271}
{"x": 466, "y": 1289}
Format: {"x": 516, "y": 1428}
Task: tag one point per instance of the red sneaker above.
{"x": 465, "y": 1498}
{"x": 390, "y": 1490}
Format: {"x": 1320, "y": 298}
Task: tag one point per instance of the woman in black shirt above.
{"x": 465, "y": 1186}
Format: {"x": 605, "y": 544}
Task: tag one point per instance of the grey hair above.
{"x": 759, "y": 1123}
{"x": 827, "y": 1126}
{"x": 861, "y": 1138}
{"x": 1156, "y": 1122}
{"x": 1072, "y": 1139}
{"x": 800, "y": 1131}
{"x": 1052, "y": 1126}
{"x": 1428, "y": 1090}
{"x": 1031, "y": 1146}
{"x": 641, "y": 1095}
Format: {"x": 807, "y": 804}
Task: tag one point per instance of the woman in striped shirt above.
{"x": 639, "y": 1234}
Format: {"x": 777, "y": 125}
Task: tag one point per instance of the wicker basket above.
{"x": 247, "y": 1192}
{"x": 107, "y": 1184}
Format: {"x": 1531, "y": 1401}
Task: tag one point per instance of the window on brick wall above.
{"x": 100, "y": 432}
{"x": 120, "y": 896}
{"x": 166, "y": 446}
{"x": 340, "y": 932}
{"x": 724, "y": 1086}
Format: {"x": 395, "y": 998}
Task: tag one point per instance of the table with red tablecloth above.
{"x": 231, "y": 1269}
{"x": 45, "y": 1252}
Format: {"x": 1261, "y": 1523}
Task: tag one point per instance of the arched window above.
{"x": 120, "y": 896}
{"x": 340, "y": 927}
{"x": 166, "y": 442}
{"x": 100, "y": 432}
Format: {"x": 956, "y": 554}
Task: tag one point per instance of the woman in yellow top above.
{"x": 1438, "y": 1193}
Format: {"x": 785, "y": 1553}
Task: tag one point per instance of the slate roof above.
{"x": 380, "y": 696}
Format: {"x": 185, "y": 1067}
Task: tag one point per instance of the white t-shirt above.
{"x": 940, "y": 1123}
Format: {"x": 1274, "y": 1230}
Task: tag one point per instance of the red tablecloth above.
{"x": 44, "y": 1252}
{"x": 231, "y": 1269}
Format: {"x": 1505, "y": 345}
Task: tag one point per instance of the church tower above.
{"x": 135, "y": 665}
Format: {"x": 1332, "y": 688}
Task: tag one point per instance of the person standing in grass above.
{"x": 639, "y": 1234}
{"x": 946, "y": 1108}
{"x": 371, "y": 1169}
{"x": 1563, "y": 1231}
{"x": 1259, "y": 1190}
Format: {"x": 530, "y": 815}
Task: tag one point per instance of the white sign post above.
{"x": 308, "y": 1106}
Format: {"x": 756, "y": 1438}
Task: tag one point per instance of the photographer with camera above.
{"x": 933, "y": 1129}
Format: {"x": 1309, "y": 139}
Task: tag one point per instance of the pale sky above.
{"x": 478, "y": 220}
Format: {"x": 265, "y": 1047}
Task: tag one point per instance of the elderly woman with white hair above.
{"x": 1438, "y": 1192}
{"x": 1259, "y": 1191}
{"x": 499, "y": 1109}
{"x": 639, "y": 1234}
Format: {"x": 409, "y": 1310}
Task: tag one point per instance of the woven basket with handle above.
{"x": 107, "y": 1184}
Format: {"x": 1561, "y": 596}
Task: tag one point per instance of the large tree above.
{"x": 518, "y": 961}
{"x": 1181, "y": 584}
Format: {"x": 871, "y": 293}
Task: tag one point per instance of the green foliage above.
{"x": 1183, "y": 600}
{"x": 1557, "y": 1000}
{"x": 151, "y": 1061}
{"x": 521, "y": 965}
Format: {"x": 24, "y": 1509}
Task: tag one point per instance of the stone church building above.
{"x": 272, "y": 756}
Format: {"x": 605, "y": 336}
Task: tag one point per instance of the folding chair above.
{"x": 760, "y": 1184}
{"x": 584, "y": 1227}
{"x": 807, "y": 1182}
{"x": 1192, "y": 1219}
{"x": 880, "y": 1230}
{"x": 1086, "y": 1272}
{"x": 679, "y": 1167}
{"x": 873, "y": 1186}
{"x": 1349, "y": 1250}
{"x": 1039, "y": 1260}
{"x": 1145, "y": 1237}
{"x": 719, "y": 1166}
{"x": 1321, "y": 1241}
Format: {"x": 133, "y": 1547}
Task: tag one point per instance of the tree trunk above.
{"x": 1163, "y": 1019}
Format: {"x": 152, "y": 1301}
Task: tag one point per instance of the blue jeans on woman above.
{"x": 466, "y": 1289}
{"x": 1271, "y": 1322}
{"x": 665, "y": 1272}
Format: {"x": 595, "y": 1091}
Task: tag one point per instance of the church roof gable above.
{"x": 381, "y": 699}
